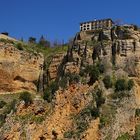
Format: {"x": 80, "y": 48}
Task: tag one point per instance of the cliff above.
{"x": 91, "y": 91}
{"x": 19, "y": 70}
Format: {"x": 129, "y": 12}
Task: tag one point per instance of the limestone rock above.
{"x": 19, "y": 70}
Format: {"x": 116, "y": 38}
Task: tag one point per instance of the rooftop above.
{"x": 95, "y": 20}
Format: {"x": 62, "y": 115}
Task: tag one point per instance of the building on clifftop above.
{"x": 96, "y": 24}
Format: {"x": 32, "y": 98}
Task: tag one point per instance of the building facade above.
{"x": 96, "y": 24}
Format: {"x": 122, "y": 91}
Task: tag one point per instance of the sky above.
{"x": 58, "y": 20}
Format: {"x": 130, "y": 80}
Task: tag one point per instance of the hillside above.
{"x": 89, "y": 90}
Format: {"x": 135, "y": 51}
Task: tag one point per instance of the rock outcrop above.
{"x": 19, "y": 70}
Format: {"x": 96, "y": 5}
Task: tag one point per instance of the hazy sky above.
{"x": 59, "y": 19}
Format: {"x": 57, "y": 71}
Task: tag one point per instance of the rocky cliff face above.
{"x": 82, "y": 107}
{"x": 19, "y": 70}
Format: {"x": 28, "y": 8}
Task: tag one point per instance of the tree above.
{"x": 32, "y": 40}
{"x": 43, "y": 42}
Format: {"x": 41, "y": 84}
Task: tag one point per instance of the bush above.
{"x": 53, "y": 87}
{"x": 19, "y": 46}
{"x": 10, "y": 106}
{"x": 95, "y": 112}
{"x": 125, "y": 136}
{"x": 63, "y": 82}
{"x": 49, "y": 91}
{"x": 94, "y": 74}
{"x": 99, "y": 98}
{"x": 2, "y": 104}
{"x": 2, "y": 119}
{"x": 26, "y": 97}
{"x": 130, "y": 84}
{"x": 68, "y": 134}
{"x": 100, "y": 67}
{"x": 120, "y": 85}
{"x": 107, "y": 81}
{"x": 47, "y": 96}
{"x": 137, "y": 132}
{"x": 137, "y": 112}
{"x": 73, "y": 77}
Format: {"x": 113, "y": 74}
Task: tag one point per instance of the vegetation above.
{"x": 99, "y": 98}
{"x": 137, "y": 132}
{"x": 93, "y": 72}
{"x": 2, "y": 119}
{"x": 2, "y": 104}
{"x": 108, "y": 82}
{"x": 130, "y": 84}
{"x": 137, "y": 113}
{"x": 69, "y": 134}
{"x": 32, "y": 40}
{"x": 50, "y": 91}
{"x": 107, "y": 115}
{"x": 11, "y": 106}
{"x": 122, "y": 85}
{"x": 26, "y": 97}
{"x": 125, "y": 136}
{"x": 43, "y": 42}
{"x": 72, "y": 77}
{"x": 82, "y": 120}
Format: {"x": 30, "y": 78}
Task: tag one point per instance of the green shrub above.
{"x": 94, "y": 74}
{"x": 26, "y": 97}
{"x": 137, "y": 132}
{"x": 2, "y": 104}
{"x": 100, "y": 67}
{"x": 130, "y": 84}
{"x": 137, "y": 112}
{"x": 63, "y": 82}
{"x": 68, "y": 134}
{"x": 50, "y": 91}
{"x": 2, "y": 119}
{"x": 99, "y": 98}
{"x": 10, "y": 106}
{"x": 120, "y": 85}
{"x": 125, "y": 136}
{"x": 53, "y": 87}
{"x": 73, "y": 77}
{"x": 47, "y": 96}
{"x": 95, "y": 112}
{"x": 19, "y": 46}
{"x": 107, "y": 81}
